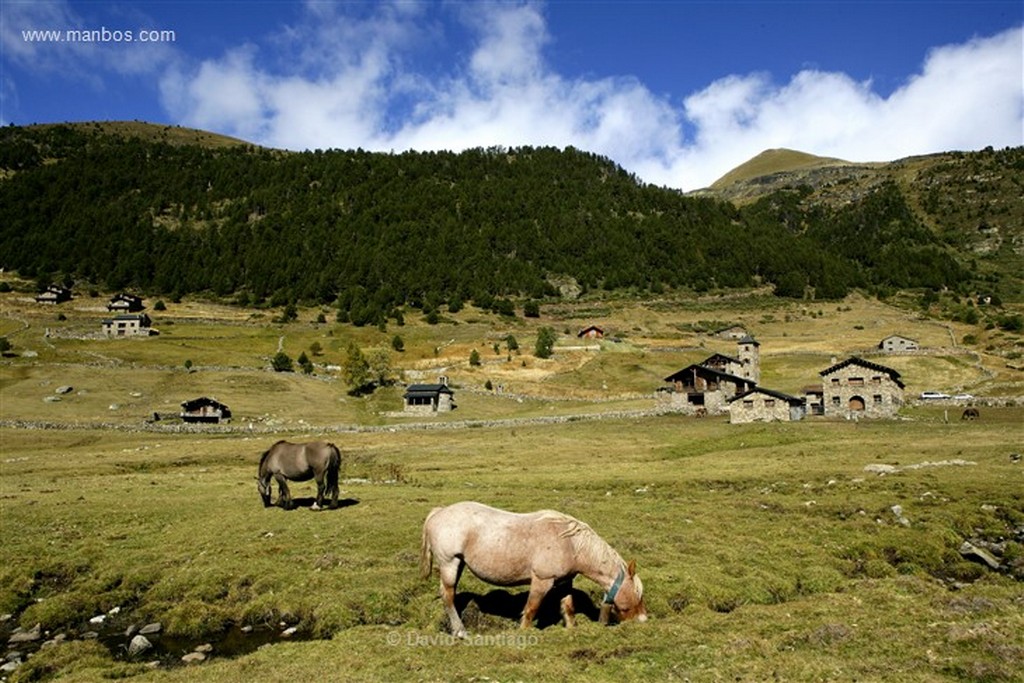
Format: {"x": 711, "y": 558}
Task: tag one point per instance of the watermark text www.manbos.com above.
{"x": 98, "y": 35}
{"x": 414, "y": 639}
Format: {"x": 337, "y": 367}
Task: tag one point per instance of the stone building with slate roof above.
{"x": 856, "y": 387}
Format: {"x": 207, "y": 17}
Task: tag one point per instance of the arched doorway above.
{"x": 856, "y": 404}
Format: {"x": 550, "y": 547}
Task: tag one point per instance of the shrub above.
{"x": 282, "y": 362}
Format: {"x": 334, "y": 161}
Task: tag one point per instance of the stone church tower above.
{"x": 749, "y": 352}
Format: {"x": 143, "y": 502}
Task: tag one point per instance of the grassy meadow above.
{"x": 768, "y": 551}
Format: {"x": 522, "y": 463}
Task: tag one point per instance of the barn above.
{"x": 125, "y": 303}
{"x": 857, "y": 387}
{"x": 731, "y": 332}
{"x": 591, "y": 332}
{"x": 205, "y": 409}
{"x": 428, "y": 398}
{"x": 54, "y": 294}
{"x": 894, "y": 343}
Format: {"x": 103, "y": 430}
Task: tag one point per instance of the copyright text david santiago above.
{"x": 414, "y": 639}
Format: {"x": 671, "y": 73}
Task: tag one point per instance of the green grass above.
{"x": 775, "y": 161}
{"x": 767, "y": 550}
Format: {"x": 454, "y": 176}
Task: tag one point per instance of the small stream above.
{"x": 164, "y": 649}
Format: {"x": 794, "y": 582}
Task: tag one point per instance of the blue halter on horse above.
{"x": 609, "y": 597}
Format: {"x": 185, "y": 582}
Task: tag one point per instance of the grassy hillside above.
{"x": 771, "y": 162}
{"x": 972, "y": 201}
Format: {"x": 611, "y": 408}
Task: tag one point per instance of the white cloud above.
{"x": 965, "y": 97}
{"x": 353, "y": 83}
{"x": 85, "y": 61}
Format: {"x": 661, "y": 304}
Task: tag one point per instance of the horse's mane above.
{"x": 586, "y": 543}
{"x": 266, "y": 454}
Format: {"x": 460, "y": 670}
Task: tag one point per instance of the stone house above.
{"x": 428, "y": 398}
{"x": 895, "y": 343}
{"x": 54, "y": 294}
{"x": 137, "y": 325}
{"x": 591, "y": 332}
{"x": 746, "y": 364}
{"x": 125, "y": 303}
{"x": 205, "y": 409}
{"x": 723, "y": 363}
{"x": 765, "y": 405}
{"x": 701, "y": 390}
{"x": 857, "y": 387}
{"x": 706, "y": 387}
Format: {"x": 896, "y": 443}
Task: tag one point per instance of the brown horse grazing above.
{"x": 543, "y": 549}
{"x": 300, "y": 462}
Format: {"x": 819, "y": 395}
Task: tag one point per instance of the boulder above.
{"x": 194, "y": 658}
{"x": 150, "y": 629}
{"x": 138, "y": 645}
{"x": 29, "y": 636}
{"x": 972, "y": 552}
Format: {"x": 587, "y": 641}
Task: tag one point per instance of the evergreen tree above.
{"x": 545, "y": 343}
{"x": 282, "y": 362}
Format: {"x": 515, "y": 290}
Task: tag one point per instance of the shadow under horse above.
{"x": 554, "y": 608}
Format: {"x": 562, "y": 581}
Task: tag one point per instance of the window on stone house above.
{"x": 878, "y": 399}
{"x": 856, "y": 381}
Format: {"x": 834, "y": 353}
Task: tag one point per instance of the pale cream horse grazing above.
{"x": 541, "y": 549}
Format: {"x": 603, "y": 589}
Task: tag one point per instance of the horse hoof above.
{"x": 315, "y": 507}
{"x": 461, "y": 633}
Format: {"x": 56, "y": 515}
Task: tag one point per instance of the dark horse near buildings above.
{"x": 300, "y": 462}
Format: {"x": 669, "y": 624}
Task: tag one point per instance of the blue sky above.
{"x": 676, "y": 91}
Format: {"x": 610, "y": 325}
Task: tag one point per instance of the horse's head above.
{"x": 627, "y": 601}
{"x": 263, "y": 486}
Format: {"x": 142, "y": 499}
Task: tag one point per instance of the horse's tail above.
{"x": 333, "y": 468}
{"x": 426, "y": 556}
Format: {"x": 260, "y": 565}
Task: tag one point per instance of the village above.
{"x": 719, "y": 385}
